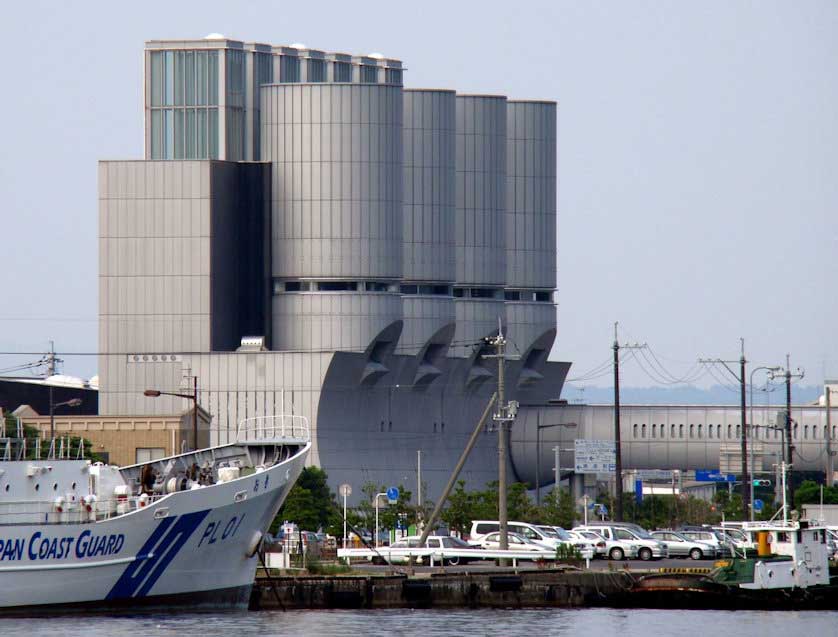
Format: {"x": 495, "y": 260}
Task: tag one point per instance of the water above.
{"x": 387, "y": 623}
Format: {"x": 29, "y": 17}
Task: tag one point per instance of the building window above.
{"x": 316, "y": 71}
{"x": 369, "y": 74}
{"x": 459, "y": 293}
{"x": 289, "y": 69}
{"x": 376, "y": 286}
{"x": 337, "y": 286}
{"x": 410, "y": 289}
{"x": 394, "y": 76}
{"x": 482, "y": 293}
{"x": 342, "y": 71}
{"x": 512, "y": 295}
{"x": 543, "y": 297}
{"x": 147, "y": 454}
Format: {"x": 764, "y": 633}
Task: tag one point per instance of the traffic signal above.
{"x": 762, "y": 483}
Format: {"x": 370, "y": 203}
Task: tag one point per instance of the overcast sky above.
{"x": 698, "y": 156}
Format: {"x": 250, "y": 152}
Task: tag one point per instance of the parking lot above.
{"x": 601, "y": 565}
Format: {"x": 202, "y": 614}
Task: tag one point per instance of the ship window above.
{"x": 634, "y": 431}
{"x": 55, "y": 486}
{"x": 7, "y": 487}
{"x": 806, "y": 432}
{"x": 692, "y": 431}
{"x": 718, "y": 431}
{"x": 643, "y": 430}
{"x": 654, "y": 431}
{"x": 672, "y": 431}
{"x": 709, "y": 431}
{"x": 680, "y": 431}
{"x": 700, "y": 433}
{"x": 37, "y": 487}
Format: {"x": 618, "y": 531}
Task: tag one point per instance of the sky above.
{"x": 697, "y": 158}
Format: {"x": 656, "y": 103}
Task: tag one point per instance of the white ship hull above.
{"x": 192, "y": 548}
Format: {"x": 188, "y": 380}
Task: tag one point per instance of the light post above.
{"x": 557, "y": 468}
{"x": 154, "y": 393}
{"x": 73, "y": 402}
{"x": 377, "y": 495}
{"x": 770, "y": 369}
{"x": 538, "y": 428}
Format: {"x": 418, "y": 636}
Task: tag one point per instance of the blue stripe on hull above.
{"x": 156, "y": 554}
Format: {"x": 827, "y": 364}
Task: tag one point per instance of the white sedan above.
{"x": 515, "y": 541}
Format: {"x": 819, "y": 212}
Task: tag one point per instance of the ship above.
{"x": 179, "y": 532}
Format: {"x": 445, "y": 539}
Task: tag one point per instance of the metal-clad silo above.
{"x": 479, "y": 220}
{"x": 336, "y": 209}
{"x": 429, "y": 203}
{"x": 530, "y": 221}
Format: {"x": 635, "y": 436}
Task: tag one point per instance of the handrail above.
{"x": 279, "y": 427}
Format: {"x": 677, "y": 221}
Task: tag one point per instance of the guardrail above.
{"x": 432, "y": 555}
{"x": 265, "y": 428}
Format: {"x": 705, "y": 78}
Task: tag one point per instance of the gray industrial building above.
{"x": 307, "y": 236}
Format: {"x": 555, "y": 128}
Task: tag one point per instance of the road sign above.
{"x": 758, "y": 504}
{"x": 393, "y": 494}
{"x": 594, "y": 456}
{"x": 638, "y": 491}
{"x": 653, "y": 475}
{"x": 345, "y": 490}
{"x": 713, "y": 476}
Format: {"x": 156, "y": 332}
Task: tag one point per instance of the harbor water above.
{"x": 387, "y": 623}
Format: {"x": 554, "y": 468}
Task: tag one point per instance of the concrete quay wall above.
{"x": 500, "y": 589}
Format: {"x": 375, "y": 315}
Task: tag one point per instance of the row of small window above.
{"x": 429, "y": 289}
{"x": 281, "y": 287}
{"x": 715, "y": 431}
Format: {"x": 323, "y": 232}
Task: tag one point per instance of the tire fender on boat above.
{"x": 254, "y": 544}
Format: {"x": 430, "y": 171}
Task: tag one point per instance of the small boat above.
{"x": 177, "y": 532}
{"x": 790, "y": 570}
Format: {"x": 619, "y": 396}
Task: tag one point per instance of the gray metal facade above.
{"x": 685, "y": 437}
{"x": 379, "y": 237}
{"x": 429, "y": 255}
{"x": 176, "y": 241}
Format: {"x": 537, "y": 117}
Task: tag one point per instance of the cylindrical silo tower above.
{"x": 336, "y": 154}
{"x": 480, "y": 229}
{"x": 429, "y": 268}
{"x": 531, "y": 223}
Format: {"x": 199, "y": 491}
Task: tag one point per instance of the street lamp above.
{"x": 377, "y": 495}
{"x": 538, "y": 428}
{"x": 770, "y": 369}
{"x": 73, "y": 402}
{"x": 154, "y": 393}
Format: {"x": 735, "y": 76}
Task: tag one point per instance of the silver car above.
{"x": 681, "y": 546}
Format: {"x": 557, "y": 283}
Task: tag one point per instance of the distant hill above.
{"x": 715, "y": 395}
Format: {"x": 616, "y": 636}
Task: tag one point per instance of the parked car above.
{"x": 539, "y": 534}
{"x": 600, "y": 545}
{"x": 579, "y": 543}
{"x": 681, "y": 546}
{"x": 617, "y": 547}
{"x": 491, "y": 542}
{"x": 724, "y": 546}
{"x": 396, "y": 554}
{"x": 647, "y": 547}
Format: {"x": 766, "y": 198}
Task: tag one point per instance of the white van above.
{"x": 481, "y": 528}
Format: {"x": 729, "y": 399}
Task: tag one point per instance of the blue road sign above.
{"x": 638, "y": 491}
{"x": 393, "y": 494}
{"x": 758, "y": 505}
{"x": 713, "y": 476}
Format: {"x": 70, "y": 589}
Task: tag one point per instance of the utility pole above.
{"x": 618, "y": 452}
{"x": 830, "y": 460}
{"x": 505, "y": 414}
{"x": 789, "y": 438}
{"x": 741, "y": 379}
{"x": 419, "y": 480}
{"x": 51, "y": 369}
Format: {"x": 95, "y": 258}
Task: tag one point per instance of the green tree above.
{"x": 458, "y": 514}
{"x": 310, "y": 503}
{"x": 809, "y": 492}
{"x": 558, "y": 511}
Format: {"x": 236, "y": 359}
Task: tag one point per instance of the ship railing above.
{"x": 46, "y": 512}
{"x": 285, "y": 428}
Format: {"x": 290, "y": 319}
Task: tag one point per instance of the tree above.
{"x": 558, "y": 512}
{"x": 310, "y": 503}
{"x": 809, "y": 492}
